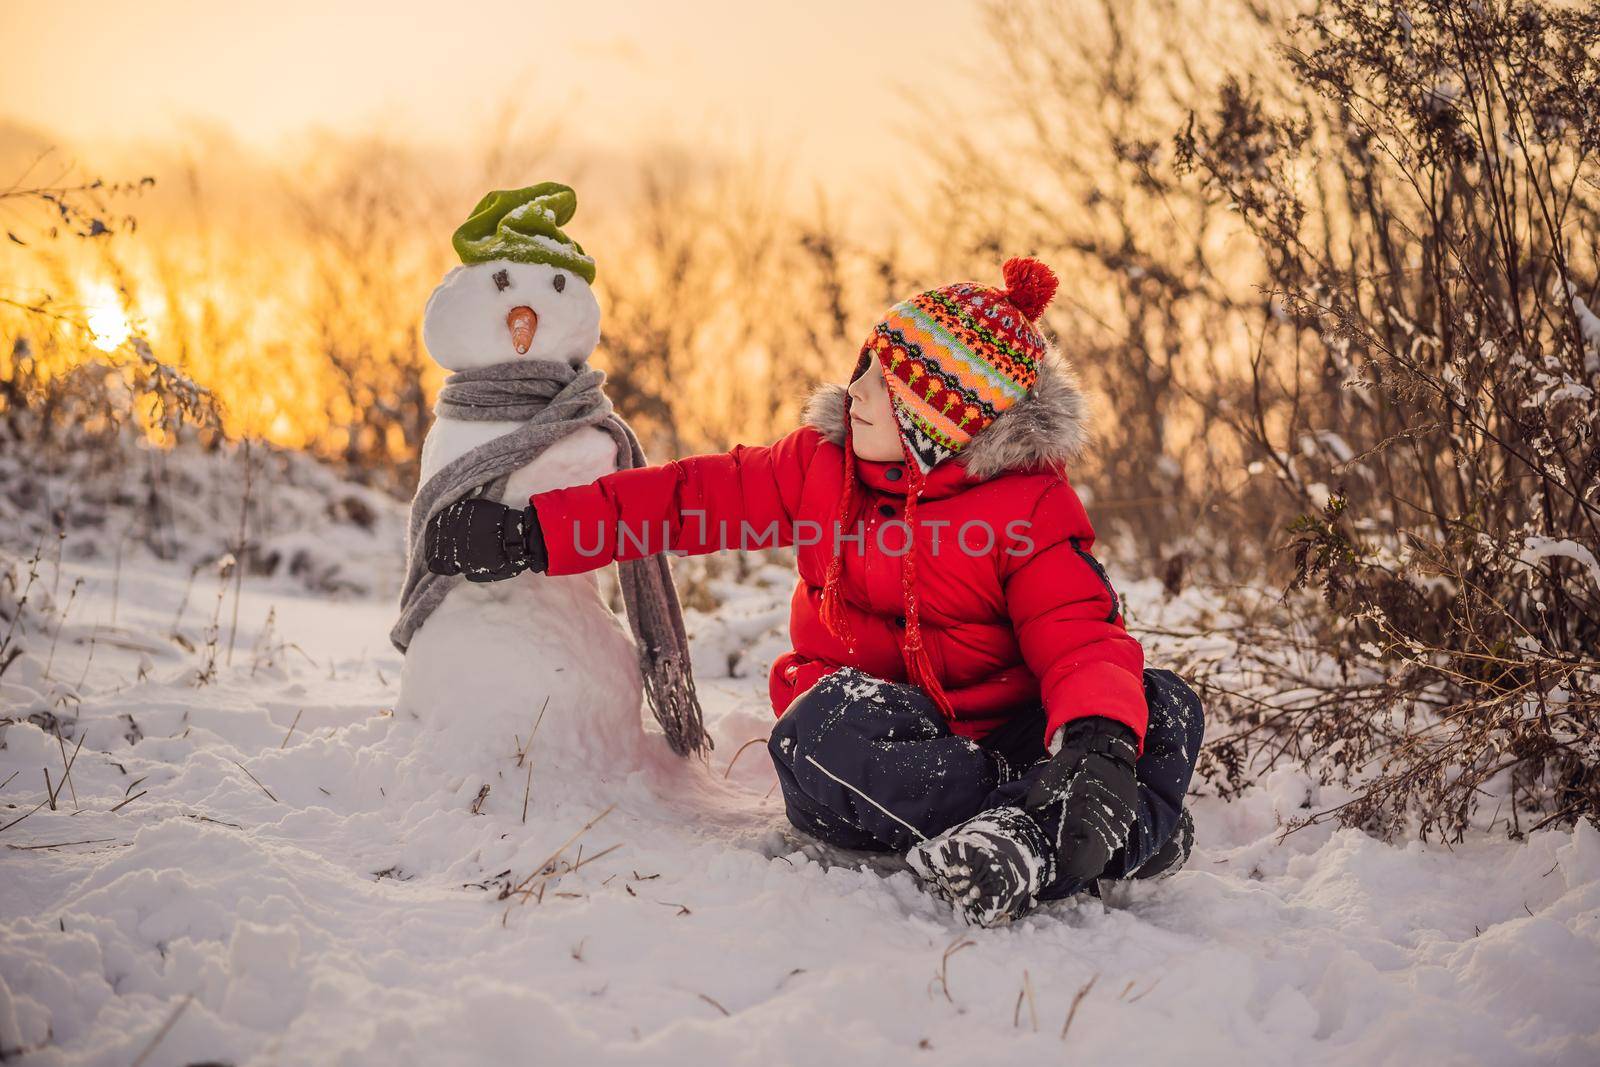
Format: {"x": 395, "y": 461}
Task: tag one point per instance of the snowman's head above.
{"x": 498, "y": 311}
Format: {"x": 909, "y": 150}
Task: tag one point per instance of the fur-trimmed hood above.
{"x": 1047, "y": 428}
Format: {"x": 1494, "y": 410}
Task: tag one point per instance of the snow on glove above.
{"x": 1088, "y": 793}
{"x": 484, "y": 541}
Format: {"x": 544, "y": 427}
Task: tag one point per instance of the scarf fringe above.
{"x": 669, "y": 689}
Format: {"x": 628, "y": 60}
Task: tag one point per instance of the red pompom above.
{"x": 1029, "y": 285}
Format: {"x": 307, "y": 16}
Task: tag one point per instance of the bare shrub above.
{"x": 359, "y": 218}
{"x": 1426, "y": 396}
{"x": 1156, "y": 308}
{"x": 54, "y": 377}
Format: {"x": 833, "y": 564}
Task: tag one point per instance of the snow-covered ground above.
{"x": 271, "y": 868}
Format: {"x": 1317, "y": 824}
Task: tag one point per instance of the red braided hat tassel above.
{"x": 919, "y": 667}
{"x": 832, "y": 611}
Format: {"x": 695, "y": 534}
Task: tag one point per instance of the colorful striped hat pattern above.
{"x": 956, "y": 357}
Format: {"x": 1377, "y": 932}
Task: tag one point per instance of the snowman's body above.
{"x": 493, "y": 657}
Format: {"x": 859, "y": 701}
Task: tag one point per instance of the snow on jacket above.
{"x": 1014, "y": 608}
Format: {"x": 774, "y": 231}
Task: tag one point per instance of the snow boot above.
{"x": 1170, "y": 857}
{"x": 990, "y": 868}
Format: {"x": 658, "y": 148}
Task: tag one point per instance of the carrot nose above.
{"x": 523, "y": 321}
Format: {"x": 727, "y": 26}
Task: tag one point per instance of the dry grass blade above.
{"x": 1146, "y": 993}
{"x": 527, "y": 792}
{"x": 292, "y": 725}
{"x": 256, "y": 780}
{"x": 523, "y": 753}
{"x": 545, "y": 870}
{"x": 714, "y": 1004}
{"x": 942, "y": 979}
{"x": 524, "y": 749}
{"x": 603, "y": 852}
{"x": 729, "y": 768}
{"x": 166, "y": 1027}
{"x": 61, "y": 623}
{"x": 66, "y": 764}
{"x": 24, "y": 815}
{"x": 1072, "y": 1012}
{"x": 240, "y": 544}
{"x": 60, "y": 844}
{"x": 123, "y": 803}
{"x": 1026, "y": 992}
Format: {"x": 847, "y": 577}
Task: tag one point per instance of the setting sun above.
{"x": 106, "y": 317}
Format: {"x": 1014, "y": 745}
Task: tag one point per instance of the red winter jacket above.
{"x": 1028, "y": 617}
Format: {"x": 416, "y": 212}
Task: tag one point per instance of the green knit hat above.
{"x": 524, "y": 226}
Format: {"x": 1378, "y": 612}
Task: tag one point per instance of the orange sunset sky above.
{"x": 822, "y": 88}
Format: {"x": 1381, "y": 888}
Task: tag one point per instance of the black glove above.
{"x": 1086, "y": 797}
{"x": 484, "y": 541}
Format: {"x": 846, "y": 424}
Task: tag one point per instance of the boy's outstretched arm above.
{"x": 694, "y": 505}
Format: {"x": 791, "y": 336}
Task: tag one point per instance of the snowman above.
{"x": 492, "y": 663}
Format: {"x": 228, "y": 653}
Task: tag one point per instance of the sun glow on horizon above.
{"x": 105, "y": 316}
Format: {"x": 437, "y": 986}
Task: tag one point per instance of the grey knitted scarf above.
{"x": 552, "y": 400}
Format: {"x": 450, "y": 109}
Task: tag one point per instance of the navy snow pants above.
{"x": 871, "y": 765}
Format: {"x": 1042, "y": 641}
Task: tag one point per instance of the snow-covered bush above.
{"x": 109, "y": 449}
{"x": 1350, "y": 306}
{"x": 198, "y": 500}
{"x": 1426, "y": 212}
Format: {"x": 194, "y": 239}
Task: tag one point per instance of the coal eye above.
{"x": 502, "y": 280}
{"x": 559, "y": 281}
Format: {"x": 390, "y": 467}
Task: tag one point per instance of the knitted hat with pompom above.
{"x": 954, "y": 359}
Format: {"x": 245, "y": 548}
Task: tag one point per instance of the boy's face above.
{"x": 873, "y": 432}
